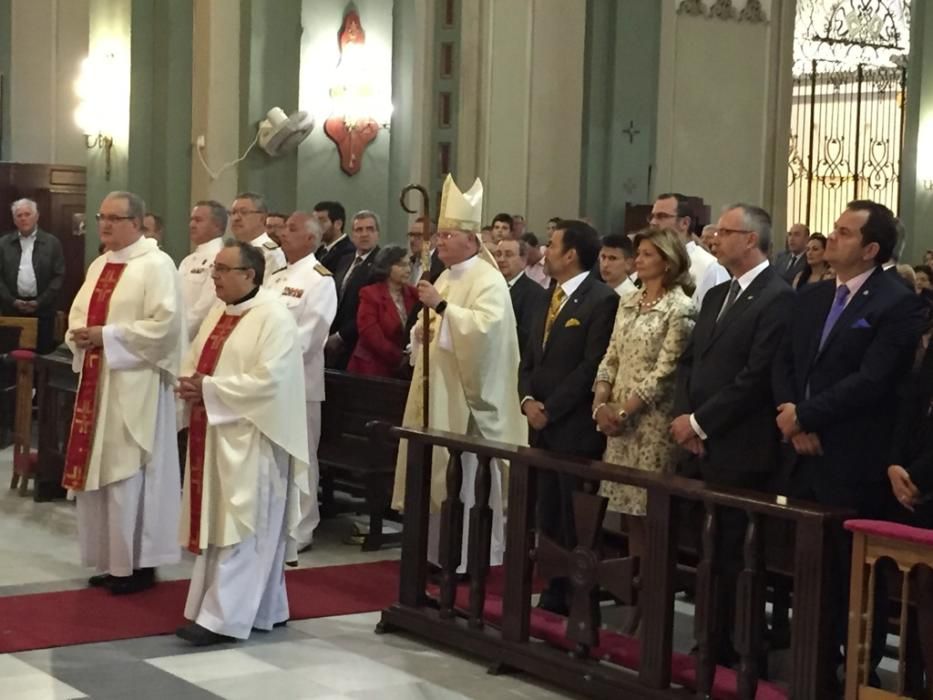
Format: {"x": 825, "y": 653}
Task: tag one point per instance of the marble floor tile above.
{"x": 36, "y": 686}
{"x": 357, "y": 675}
{"x": 211, "y": 665}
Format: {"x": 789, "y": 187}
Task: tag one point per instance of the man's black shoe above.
{"x": 553, "y": 602}
{"x": 201, "y": 636}
{"x": 141, "y": 580}
{"x": 100, "y": 581}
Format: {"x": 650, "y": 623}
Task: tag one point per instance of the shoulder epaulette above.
{"x": 323, "y": 271}
{"x": 270, "y": 245}
{"x": 281, "y": 269}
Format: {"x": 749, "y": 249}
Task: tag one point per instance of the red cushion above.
{"x": 892, "y": 531}
{"x": 24, "y": 355}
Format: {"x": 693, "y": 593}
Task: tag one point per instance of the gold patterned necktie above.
{"x": 557, "y": 298}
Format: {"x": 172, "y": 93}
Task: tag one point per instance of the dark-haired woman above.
{"x": 381, "y": 316}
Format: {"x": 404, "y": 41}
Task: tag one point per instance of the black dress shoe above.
{"x": 140, "y": 580}
{"x": 554, "y": 603}
{"x": 201, "y": 636}
{"x": 100, "y": 581}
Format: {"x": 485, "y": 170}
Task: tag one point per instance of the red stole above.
{"x": 85, "y": 413}
{"x": 197, "y": 426}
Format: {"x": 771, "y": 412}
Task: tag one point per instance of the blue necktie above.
{"x": 842, "y": 293}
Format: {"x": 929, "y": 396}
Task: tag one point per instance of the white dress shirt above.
{"x": 705, "y": 270}
{"x": 26, "y": 285}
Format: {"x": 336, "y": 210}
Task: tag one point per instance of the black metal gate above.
{"x": 846, "y": 139}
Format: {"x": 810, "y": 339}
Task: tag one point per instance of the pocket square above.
{"x": 861, "y": 323}
{"x": 571, "y": 322}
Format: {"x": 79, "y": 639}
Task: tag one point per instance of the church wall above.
{"x": 521, "y": 106}
{"x": 622, "y": 62}
{"x": 45, "y": 41}
{"x": 6, "y": 9}
{"x": 722, "y": 110}
{"x": 916, "y": 208}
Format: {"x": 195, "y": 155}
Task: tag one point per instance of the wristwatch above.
{"x": 442, "y": 307}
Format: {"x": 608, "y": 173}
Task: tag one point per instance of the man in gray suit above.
{"x": 32, "y": 267}
{"x": 791, "y": 261}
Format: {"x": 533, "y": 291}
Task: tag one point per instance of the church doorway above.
{"x": 848, "y": 107}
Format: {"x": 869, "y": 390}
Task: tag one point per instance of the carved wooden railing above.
{"x": 784, "y": 536}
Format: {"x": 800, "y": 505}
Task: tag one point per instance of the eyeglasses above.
{"x": 111, "y": 218}
{"x": 224, "y": 269}
{"x": 659, "y": 216}
{"x": 730, "y": 231}
{"x": 243, "y": 212}
{"x": 447, "y": 235}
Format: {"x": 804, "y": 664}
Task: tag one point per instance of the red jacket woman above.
{"x": 382, "y": 314}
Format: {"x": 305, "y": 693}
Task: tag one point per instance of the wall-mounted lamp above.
{"x": 927, "y": 184}
{"x": 96, "y": 90}
{"x": 358, "y": 107}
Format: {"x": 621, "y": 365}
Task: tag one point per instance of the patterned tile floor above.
{"x": 336, "y": 658}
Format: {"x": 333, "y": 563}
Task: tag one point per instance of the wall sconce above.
{"x": 94, "y": 115}
{"x": 927, "y": 184}
{"x": 358, "y": 107}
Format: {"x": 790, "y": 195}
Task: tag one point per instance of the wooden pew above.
{"x": 352, "y": 458}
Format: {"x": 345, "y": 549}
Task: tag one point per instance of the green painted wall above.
{"x": 319, "y": 173}
{"x": 5, "y": 66}
{"x": 621, "y": 86}
{"x": 402, "y": 137}
{"x": 916, "y": 208}
{"x": 160, "y": 114}
{"x": 151, "y": 154}
{"x": 270, "y": 41}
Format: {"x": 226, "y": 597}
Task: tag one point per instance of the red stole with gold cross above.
{"x": 82, "y": 423}
{"x": 197, "y": 427}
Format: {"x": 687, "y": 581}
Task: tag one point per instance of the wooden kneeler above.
{"x": 24, "y": 459}
{"x": 907, "y": 547}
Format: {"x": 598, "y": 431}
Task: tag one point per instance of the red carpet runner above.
{"x": 42, "y": 620}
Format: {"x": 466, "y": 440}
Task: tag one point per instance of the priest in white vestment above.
{"x": 473, "y": 365}
{"x": 206, "y": 227}
{"x": 126, "y": 333}
{"x": 308, "y": 290}
{"x": 243, "y": 379}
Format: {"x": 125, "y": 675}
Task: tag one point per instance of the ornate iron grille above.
{"x": 847, "y": 115}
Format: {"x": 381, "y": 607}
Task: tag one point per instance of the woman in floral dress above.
{"x": 634, "y": 389}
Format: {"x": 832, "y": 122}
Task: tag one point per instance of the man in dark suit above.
{"x": 723, "y": 402}
{"x": 567, "y": 341}
{"x": 32, "y": 267}
{"x": 788, "y": 263}
{"x": 527, "y": 296}
{"x": 850, "y": 342}
{"x": 351, "y": 276}
{"x": 437, "y": 267}
{"x": 336, "y": 246}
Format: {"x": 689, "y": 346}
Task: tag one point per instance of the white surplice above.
{"x": 128, "y": 511}
{"x": 255, "y": 465}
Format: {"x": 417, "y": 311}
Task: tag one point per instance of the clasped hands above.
{"x": 806, "y": 444}
{"x": 608, "y": 420}
{"x": 26, "y": 307}
{"x": 190, "y": 388}
{"x": 684, "y": 435}
{"x": 90, "y": 337}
